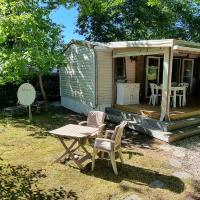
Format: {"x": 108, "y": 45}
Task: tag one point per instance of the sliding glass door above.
{"x": 187, "y": 73}
{"x": 152, "y": 72}
{"x": 181, "y": 72}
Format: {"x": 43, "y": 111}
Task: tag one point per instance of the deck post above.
{"x": 166, "y": 91}
{"x": 113, "y": 81}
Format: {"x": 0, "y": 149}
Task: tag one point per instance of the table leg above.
{"x": 85, "y": 157}
{"x": 86, "y": 151}
{"x": 62, "y": 156}
{"x": 66, "y": 149}
{"x": 184, "y": 97}
{"x": 174, "y": 99}
{"x": 70, "y": 151}
{"x": 71, "y": 155}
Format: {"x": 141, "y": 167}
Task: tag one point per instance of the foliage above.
{"x": 139, "y": 19}
{"x": 21, "y": 182}
{"x": 186, "y": 16}
{"x": 30, "y": 43}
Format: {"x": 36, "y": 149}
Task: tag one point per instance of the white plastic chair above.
{"x": 95, "y": 119}
{"x": 180, "y": 94}
{"x": 110, "y": 146}
{"x": 173, "y": 83}
{"x": 154, "y": 94}
{"x": 184, "y": 84}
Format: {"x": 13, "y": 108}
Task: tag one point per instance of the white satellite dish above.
{"x": 26, "y": 95}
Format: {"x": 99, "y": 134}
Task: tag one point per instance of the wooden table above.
{"x": 77, "y": 133}
{"x": 174, "y": 89}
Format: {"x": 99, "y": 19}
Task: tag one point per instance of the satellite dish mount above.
{"x": 26, "y": 96}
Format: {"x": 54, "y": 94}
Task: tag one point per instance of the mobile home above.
{"x": 116, "y": 77}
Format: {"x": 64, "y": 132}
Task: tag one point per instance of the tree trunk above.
{"x": 43, "y": 92}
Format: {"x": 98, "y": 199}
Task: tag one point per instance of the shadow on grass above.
{"x": 56, "y": 117}
{"x": 133, "y": 174}
{"x": 44, "y": 122}
{"x": 131, "y": 153}
{"x": 20, "y": 182}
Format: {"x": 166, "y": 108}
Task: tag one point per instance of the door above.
{"x": 187, "y": 73}
{"x": 176, "y": 70}
{"x": 152, "y": 73}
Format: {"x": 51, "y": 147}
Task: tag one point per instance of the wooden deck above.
{"x": 191, "y": 110}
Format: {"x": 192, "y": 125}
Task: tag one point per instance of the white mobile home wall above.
{"x": 86, "y": 82}
{"x": 77, "y": 80}
{"x": 104, "y": 72}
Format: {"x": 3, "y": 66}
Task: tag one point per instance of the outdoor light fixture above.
{"x": 133, "y": 59}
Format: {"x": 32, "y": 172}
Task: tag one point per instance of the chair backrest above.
{"x": 154, "y": 88}
{"x": 173, "y": 83}
{"x": 95, "y": 118}
{"x": 118, "y": 132}
{"x": 184, "y": 84}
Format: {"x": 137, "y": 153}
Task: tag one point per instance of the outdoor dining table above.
{"x": 174, "y": 90}
{"x": 77, "y": 134}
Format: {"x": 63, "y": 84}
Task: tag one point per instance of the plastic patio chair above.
{"x": 154, "y": 94}
{"x": 95, "y": 119}
{"x": 110, "y": 146}
{"x": 180, "y": 94}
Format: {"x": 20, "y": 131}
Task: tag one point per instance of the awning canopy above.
{"x": 186, "y": 49}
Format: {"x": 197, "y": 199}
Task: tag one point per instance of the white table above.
{"x": 77, "y": 133}
{"x": 174, "y": 90}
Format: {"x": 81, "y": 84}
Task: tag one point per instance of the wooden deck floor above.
{"x": 191, "y": 110}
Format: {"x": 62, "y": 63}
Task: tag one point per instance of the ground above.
{"x": 152, "y": 169}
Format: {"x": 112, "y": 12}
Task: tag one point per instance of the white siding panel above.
{"x": 104, "y": 63}
{"x": 79, "y": 107}
{"x": 77, "y": 80}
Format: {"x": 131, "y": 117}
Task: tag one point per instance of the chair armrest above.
{"x": 100, "y": 132}
{"x": 83, "y": 122}
{"x": 108, "y": 133}
{"x": 101, "y": 127}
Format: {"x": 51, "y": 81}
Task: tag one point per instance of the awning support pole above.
{"x": 166, "y": 91}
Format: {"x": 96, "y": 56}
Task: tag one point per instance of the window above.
{"x": 120, "y": 68}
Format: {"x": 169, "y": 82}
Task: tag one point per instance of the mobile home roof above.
{"x": 140, "y": 43}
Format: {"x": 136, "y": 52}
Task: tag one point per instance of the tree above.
{"x": 111, "y": 20}
{"x": 30, "y": 43}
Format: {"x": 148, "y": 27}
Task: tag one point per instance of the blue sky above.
{"x": 67, "y": 18}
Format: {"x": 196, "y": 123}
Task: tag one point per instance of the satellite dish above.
{"x": 26, "y": 95}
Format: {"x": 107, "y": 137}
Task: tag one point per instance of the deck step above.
{"x": 165, "y": 131}
{"x": 182, "y": 124}
{"x": 184, "y": 133}
{"x": 174, "y": 135}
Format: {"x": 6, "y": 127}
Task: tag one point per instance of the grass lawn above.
{"x": 27, "y": 170}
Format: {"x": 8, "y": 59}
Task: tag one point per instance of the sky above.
{"x": 67, "y": 18}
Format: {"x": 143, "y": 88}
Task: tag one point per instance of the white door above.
{"x": 187, "y": 72}
{"x": 152, "y": 73}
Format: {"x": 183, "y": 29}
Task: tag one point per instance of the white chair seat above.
{"x": 103, "y": 144}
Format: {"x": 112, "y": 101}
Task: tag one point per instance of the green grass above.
{"x": 27, "y": 171}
